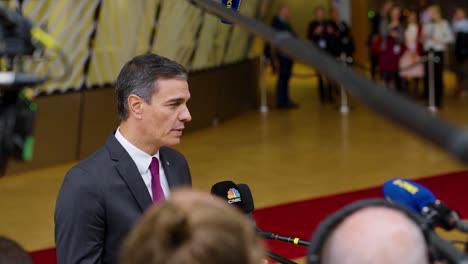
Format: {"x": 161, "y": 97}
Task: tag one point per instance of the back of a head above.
{"x": 204, "y": 233}
{"x": 12, "y": 253}
{"x": 376, "y": 235}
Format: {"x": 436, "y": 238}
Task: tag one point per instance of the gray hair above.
{"x": 139, "y": 77}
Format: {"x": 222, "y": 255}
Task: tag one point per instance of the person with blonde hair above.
{"x": 192, "y": 227}
{"x": 410, "y": 66}
{"x": 435, "y": 36}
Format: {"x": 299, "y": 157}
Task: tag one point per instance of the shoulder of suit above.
{"x": 95, "y": 163}
{"x": 99, "y": 154}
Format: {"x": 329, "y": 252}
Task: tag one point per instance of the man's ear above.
{"x": 135, "y": 106}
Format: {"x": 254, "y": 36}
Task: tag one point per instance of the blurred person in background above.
{"x": 460, "y": 29}
{"x": 411, "y": 66}
{"x": 12, "y": 253}
{"x": 192, "y": 227}
{"x": 321, "y": 34}
{"x": 391, "y": 48}
{"x": 435, "y": 36}
{"x": 340, "y": 32}
{"x": 375, "y": 22}
{"x": 423, "y": 14}
{"x": 280, "y": 23}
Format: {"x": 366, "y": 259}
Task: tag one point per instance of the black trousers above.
{"x": 325, "y": 89}
{"x": 438, "y": 79}
{"x": 374, "y": 62}
{"x": 282, "y": 85}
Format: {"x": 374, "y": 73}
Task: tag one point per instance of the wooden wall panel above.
{"x": 55, "y": 134}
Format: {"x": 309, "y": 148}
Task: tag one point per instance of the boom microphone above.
{"x": 421, "y": 200}
{"x": 230, "y": 4}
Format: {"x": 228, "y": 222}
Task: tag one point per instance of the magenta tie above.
{"x": 158, "y": 194}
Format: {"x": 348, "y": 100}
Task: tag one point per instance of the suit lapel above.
{"x": 129, "y": 172}
{"x": 169, "y": 169}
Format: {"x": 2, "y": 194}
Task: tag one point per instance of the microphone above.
{"x": 241, "y": 196}
{"x": 230, "y": 4}
{"x": 248, "y": 207}
{"x": 422, "y": 201}
{"x": 229, "y": 191}
{"x": 408, "y": 193}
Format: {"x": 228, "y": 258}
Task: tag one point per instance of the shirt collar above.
{"x": 141, "y": 158}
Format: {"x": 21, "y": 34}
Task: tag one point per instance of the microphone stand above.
{"x": 279, "y": 258}
{"x": 290, "y": 240}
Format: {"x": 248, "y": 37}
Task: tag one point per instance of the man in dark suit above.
{"x": 102, "y": 196}
{"x": 280, "y": 22}
{"x": 321, "y": 34}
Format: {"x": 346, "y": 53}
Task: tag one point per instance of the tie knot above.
{"x": 154, "y": 163}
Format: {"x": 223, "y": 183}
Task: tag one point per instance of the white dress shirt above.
{"x": 436, "y": 36}
{"x": 143, "y": 161}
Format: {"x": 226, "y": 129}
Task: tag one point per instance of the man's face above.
{"x": 386, "y": 7}
{"x": 284, "y": 12}
{"x": 165, "y": 117}
{"x": 320, "y": 14}
{"x": 335, "y": 14}
{"x": 459, "y": 14}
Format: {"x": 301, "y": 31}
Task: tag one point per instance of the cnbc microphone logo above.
{"x": 233, "y": 196}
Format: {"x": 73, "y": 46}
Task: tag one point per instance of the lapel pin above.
{"x": 167, "y": 163}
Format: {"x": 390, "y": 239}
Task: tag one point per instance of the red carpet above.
{"x": 301, "y": 218}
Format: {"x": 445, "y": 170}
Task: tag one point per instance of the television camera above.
{"x": 19, "y": 39}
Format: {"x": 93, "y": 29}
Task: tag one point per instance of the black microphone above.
{"x": 248, "y": 206}
{"x": 229, "y": 191}
{"x": 241, "y": 196}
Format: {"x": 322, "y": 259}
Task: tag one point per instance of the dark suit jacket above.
{"x": 100, "y": 200}
{"x": 279, "y": 25}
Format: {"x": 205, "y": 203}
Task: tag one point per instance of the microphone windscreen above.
{"x": 230, "y": 4}
{"x": 408, "y": 193}
{"x": 229, "y": 191}
{"x": 247, "y": 198}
